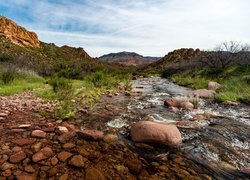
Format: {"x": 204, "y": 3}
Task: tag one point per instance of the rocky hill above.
{"x": 176, "y": 57}
{"x": 128, "y": 58}
{"x": 22, "y": 49}
{"x": 18, "y": 34}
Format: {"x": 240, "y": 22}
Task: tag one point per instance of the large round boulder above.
{"x": 154, "y": 132}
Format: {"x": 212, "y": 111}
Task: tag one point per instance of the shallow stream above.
{"x": 218, "y": 146}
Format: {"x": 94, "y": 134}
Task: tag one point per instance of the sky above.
{"x": 148, "y": 27}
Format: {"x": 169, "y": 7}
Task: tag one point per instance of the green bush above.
{"x": 8, "y": 76}
{"x": 59, "y": 84}
{"x": 99, "y": 79}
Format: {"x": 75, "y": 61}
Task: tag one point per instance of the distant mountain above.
{"x": 128, "y": 58}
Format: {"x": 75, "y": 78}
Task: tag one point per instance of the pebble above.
{"x": 38, "y": 134}
{"x": 17, "y": 157}
{"x": 63, "y": 156}
{"x": 77, "y": 161}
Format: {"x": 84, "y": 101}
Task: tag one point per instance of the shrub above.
{"x": 59, "y": 84}
{"x": 8, "y": 76}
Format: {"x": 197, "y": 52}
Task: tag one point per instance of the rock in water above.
{"x": 204, "y": 93}
{"x": 179, "y": 103}
{"x": 153, "y": 132}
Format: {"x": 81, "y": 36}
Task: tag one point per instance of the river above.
{"x": 217, "y": 147}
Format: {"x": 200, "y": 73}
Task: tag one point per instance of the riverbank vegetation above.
{"x": 235, "y": 81}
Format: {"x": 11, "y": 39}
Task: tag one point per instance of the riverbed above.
{"x": 217, "y": 146}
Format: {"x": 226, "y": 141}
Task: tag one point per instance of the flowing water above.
{"x": 218, "y": 146}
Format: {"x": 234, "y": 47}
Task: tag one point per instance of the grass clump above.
{"x": 16, "y": 81}
{"x": 7, "y": 76}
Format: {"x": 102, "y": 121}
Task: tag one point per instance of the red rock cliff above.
{"x": 18, "y": 34}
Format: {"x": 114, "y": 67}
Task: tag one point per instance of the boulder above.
{"x": 179, "y": 103}
{"x": 213, "y": 85}
{"x": 204, "y": 93}
{"x": 154, "y": 132}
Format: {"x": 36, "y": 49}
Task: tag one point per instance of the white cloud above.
{"x": 149, "y": 27}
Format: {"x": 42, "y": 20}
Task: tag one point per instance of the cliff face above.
{"x": 18, "y": 34}
{"x": 128, "y": 58}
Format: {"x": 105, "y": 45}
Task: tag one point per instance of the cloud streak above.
{"x": 149, "y": 27}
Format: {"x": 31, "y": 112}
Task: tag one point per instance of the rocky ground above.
{"x": 35, "y": 147}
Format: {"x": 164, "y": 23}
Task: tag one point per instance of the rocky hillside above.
{"x": 179, "y": 56}
{"x": 18, "y": 34}
{"x": 22, "y": 49}
{"x": 128, "y": 58}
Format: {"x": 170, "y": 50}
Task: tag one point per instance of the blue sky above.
{"x": 148, "y": 27}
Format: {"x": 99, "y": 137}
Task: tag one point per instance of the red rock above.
{"x": 94, "y": 174}
{"x": 69, "y": 146}
{"x": 24, "y": 141}
{"x": 91, "y": 134}
{"x": 179, "y": 103}
{"x": 77, "y": 161}
{"x": 66, "y": 137}
{"x": 62, "y": 130}
{"x": 42, "y": 154}
{"x": 63, "y": 156}
{"x": 18, "y": 157}
{"x": 70, "y": 127}
{"x": 153, "y": 132}
{"x": 134, "y": 165}
{"x": 26, "y": 177}
{"x": 38, "y": 134}
{"x": 29, "y": 169}
{"x": 7, "y": 173}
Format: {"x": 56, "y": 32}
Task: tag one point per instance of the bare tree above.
{"x": 227, "y": 54}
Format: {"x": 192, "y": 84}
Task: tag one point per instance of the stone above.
{"x": 213, "y": 85}
{"x": 92, "y": 173}
{"x": 90, "y": 134}
{"x": 230, "y": 103}
{"x": 44, "y": 153}
{"x": 69, "y": 146}
{"x": 64, "y": 177}
{"x": 29, "y": 169}
{"x": 16, "y": 149}
{"x": 154, "y": 132}
{"x": 7, "y": 166}
{"x": 53, "y": 171}
{"x": 17, "y": 157}
{"x": 36, "y": 146}
{"x": 62, "y": 130}
{"x": 109, "y": 138}
{"x": 26, "y": 177}
{"x": 24, "y": 126}
{"x": 17, "y": 34}
{"x": 38, "y": 134}
{"x": 7, "y": 173}
{"x": 63, "y": 156}
{"x": 204, "y": 93}
{"x": 82, "y": 151}
{"x": 24, "y": 141}
{"x": 54, "y": 161}
{"x": 66, "y": 137}
{"x": 3, "y": 114}
{"x": 134, "y": 165}
{"x": 179, "y": 103}
{"x": 246, "y": 170}
{"x": 77, "y": 161}
{"x": 3, "y": 158}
